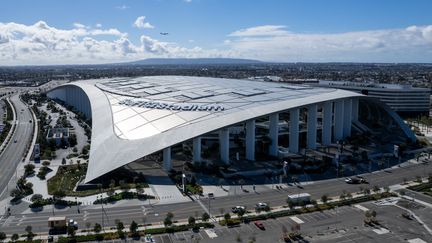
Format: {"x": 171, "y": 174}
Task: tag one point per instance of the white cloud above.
{"x": 141, "y": 24}
{"x": 275, "y": 43}
{"x": 98, "y": 25}
{"x": 188, "y": 1}
{"x": 42, "y": 44}
{"x": 122, "y": 7}
{"x": 79, "y": 25}
{"x": 263, "y": 30}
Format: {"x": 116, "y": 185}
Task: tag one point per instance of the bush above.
{"x": 36, "y": 197}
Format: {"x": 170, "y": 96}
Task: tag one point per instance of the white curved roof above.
{"x": 135, "y": 117}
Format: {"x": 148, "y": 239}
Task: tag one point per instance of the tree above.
{"x": 170, "y": 215}
{"x": 167, "y": 221}
{"x": 63, "y": 161}
{"x": 324, "y": 198}
{"x": 191, "y": 220}
{"x": 2, "y": 236}
{"x": 97, "y": 228}
{"x": 290, "y": 203}
{"x": 29, "y": 169}
{"x": 30, "y": 234}
{"x": 36, "y": 197}
{"x": 376, "y": 189}
{"x": 133, "y": 228}
{"x": 227, "y": 216}
{"x": 15, "y": 237}
{"x": 205, "y": 217}
{"x": 16, "y": 194}
{"x": 71, "y": 230}
{"x": 120, "y": 227}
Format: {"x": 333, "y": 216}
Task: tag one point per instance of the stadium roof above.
{"x": 135, "y": 117}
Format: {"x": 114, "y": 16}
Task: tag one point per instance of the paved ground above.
{"x": 141, "y": 212}
{"x": 344, "y": 224}
{"x": 14, "y": 152}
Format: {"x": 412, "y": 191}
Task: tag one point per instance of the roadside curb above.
{"x": 12, "y": 130}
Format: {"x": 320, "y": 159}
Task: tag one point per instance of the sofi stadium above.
{"x": 136, "y": 117}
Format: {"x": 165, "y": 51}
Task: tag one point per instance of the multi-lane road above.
{"x": 14, "y": 151}
{"x": 156, "y": 213}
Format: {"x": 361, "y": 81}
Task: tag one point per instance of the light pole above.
{"x": 183, "y": 183}
{"x": 209, "y": 206}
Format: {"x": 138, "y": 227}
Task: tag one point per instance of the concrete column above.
{"x": 167, "y": 159}
{"x": 250, "y": 140}
{"x": 312, "y": 126}
{"x": 347, "y": 117}
{"x": 338, "y": 119}
{"x": 197, "y": 149}
{"x": 327, "y": 110}
{"x": 274, "y": 134}
{"x": 224, "y": 144}
{"x": 355, "y": 109}
{"x": 294, "y": 130}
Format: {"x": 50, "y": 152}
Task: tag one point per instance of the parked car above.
{"x": 259, "y": 224}
{"x": 148, "y": 238}
{"x": 238, "y": 209}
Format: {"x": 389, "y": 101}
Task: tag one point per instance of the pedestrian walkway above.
{"x": 165, "y": 190}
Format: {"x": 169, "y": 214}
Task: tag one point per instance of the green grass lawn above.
{"x": 66, "y": 179}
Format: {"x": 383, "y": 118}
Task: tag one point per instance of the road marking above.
{"x": 296, "y": 219}
{"x": 364, "y": 209}
{"x": 211, "y": 233}
{"x": 381, "y": 231}
{"x": 85, "y": 215}
{"x": 416, "y": 240}
{"x": 21, "y": 220}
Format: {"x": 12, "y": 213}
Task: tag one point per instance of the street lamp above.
{"x": 183, "y": 182}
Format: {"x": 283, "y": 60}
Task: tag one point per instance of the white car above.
{"x": 261, "y": 205}
{"x": 73, "y": 223}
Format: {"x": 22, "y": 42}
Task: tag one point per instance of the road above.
{"x": 156, "y": 213}
{"x": 14, "y": 152}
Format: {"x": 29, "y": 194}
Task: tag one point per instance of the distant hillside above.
{"x": 192, "y": 61}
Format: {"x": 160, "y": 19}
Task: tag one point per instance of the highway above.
{"x": 156, "y": 213}
{"x": 14, "y": 152}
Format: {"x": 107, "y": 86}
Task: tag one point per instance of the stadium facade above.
{"x": 404, "y": 99}
{"x": 136, "y": 117}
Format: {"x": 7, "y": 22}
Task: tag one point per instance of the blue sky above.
{"x": 78, "y": 31}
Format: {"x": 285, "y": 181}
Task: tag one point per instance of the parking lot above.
{"x": 344, "y": 224}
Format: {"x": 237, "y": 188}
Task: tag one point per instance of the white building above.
{"x": 404, "y": 99}
{"x": 136, "y": 117}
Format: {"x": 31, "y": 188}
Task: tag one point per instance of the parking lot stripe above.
{"x": 296, "y": 219}
{"x": 364, "y": 209}
{"x": 307, "y": 218}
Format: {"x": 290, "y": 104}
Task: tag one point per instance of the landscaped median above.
{"x": 114, "y": 233}
{"x": 423, "y": 187}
